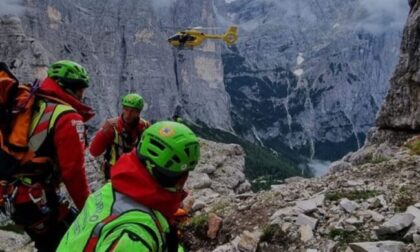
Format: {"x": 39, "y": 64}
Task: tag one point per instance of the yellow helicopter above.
{"x": 193, "y": 37}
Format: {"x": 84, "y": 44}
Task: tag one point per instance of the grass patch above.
{"x": 351, "y": 195}
{"x": 199, "y": 221}
{"x": 220, "y": 208}
{"x": 273, "y": 234}
{"x": 414, "y": 145}
{"x": 404, "y": 199}
{"x": 378, "y": 159}
{"x": 197, "y": 225}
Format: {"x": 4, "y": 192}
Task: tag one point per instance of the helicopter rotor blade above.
{"x": 204, "y": 28}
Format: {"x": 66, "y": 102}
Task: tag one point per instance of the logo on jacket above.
{"x": 80, "y": 129}
{"x": 166, "y": 132}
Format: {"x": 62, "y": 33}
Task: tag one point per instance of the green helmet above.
{"x": 170, "y": 150}
{"x": 69, "y": 74}
{"x": 133, "y": 101}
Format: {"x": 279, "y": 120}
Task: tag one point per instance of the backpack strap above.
{"x": 119, "y": 144}
{"x": 39, "y": 127}
{"x": 116, "y": 149}
{"x": 123, "y": 204}
{"x": 44, "y": 121}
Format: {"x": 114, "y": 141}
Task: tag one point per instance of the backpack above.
{"x": 16, "y": 109}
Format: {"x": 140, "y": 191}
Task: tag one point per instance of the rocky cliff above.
{"x": 25, "y": 56}
{"x": 304, "y": 75}
{"x": 310, "y": 75}
{"x": 401, "y": 110}
{"x": 124, "y": 48}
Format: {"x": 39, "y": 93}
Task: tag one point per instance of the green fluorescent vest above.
{"x": 111, "y": 220}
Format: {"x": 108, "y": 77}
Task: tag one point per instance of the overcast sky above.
{"x": 13, "y": 7}
{"x": 381, "y": 15}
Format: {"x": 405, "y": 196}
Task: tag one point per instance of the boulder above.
{"x": 215, "y": 223}
{"x": 249, "y": 241}
{"x": 348, "y": 205}
{"x": 388, "y": 246}
{"x": 397, "y": 223}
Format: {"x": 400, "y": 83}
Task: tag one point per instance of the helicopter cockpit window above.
{"x": 182, "y": 38}
{"x": 185, "y": 38}
{"x": 190, "y": 38}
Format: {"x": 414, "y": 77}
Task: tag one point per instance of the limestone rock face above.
{"x": 124, "y": 50}
{"x": 317, "y": 91}
{"x": 311, "y": 75}
{"x": 26, "y": 57}
{"x": 401, "y": 109}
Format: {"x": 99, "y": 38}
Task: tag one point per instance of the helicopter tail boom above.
{"x": 230, "y": 36}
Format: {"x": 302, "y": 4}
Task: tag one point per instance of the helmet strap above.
{"x": 169, "y": 183}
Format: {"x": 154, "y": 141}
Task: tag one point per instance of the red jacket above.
{"x": 69, "y": 141}
{"x": 104, "y": 138}
{"x": 130, "y": 177}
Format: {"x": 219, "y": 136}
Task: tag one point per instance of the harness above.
{"x": 121, "y": 143}
{"x": 119, "y": 146}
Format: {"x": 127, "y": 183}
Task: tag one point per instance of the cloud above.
{"x": 383, "y": 15}
{"x": 319, "y": 167}
{"x": 11, "y": 7}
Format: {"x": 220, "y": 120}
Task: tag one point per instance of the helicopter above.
{"x": 193, "y": 37}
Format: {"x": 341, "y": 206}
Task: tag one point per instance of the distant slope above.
{"x": 263, "y": 166}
